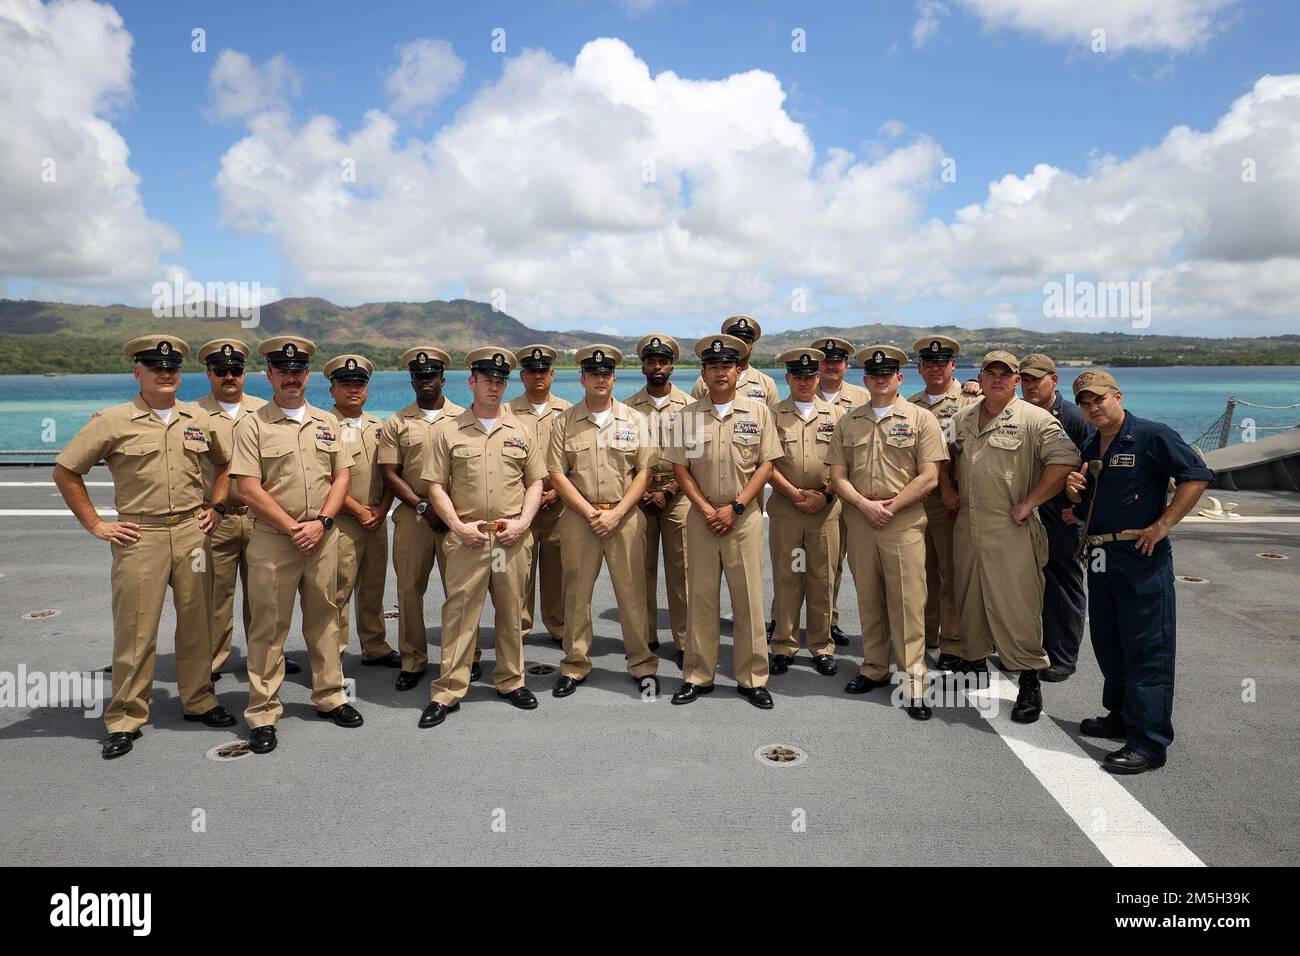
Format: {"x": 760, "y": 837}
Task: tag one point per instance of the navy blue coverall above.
{"x": 1064, "y": 600}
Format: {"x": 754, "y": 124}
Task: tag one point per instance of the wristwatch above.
{"x": 421, "y": 508}
{"x": 219, "y": 508}
{"x": 669, "y": 495}
{"x": 327, "y": 521}
{"x": 737, "y": 507}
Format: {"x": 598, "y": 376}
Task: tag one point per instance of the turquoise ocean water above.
{"x": 41, "y": 412}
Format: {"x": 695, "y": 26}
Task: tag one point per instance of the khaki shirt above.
{"x": 722, "y": 453}
{"x": 601, "y": 462}
{"x": 294, "y": 462}
{"x": 660, "y": 419}
{"x": 751, "y": 383}
{"x": 540, "y": 424}
{"x": 805, "y": 443}
{"x": 953, "y": 401}
{"x": 997, "y": 466}
{"x": 157, "y": 469}
{"x": 850, "y": 396}
{"x": 224, "y": 427}
{"x": 407, "y": 438}
{"x": 882, "y": 457}
{"x": 485, "y": 475}
{"x": 365, "y": 483}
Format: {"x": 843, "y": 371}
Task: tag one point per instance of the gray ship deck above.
{"x": 604, "y": 777}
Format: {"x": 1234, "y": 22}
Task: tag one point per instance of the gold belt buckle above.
{"x": 175, "y": 519}
{"x": 662, "y": 479}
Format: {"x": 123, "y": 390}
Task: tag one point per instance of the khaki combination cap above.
{"x": 157, "y": 349}
{"x": 1097, "y": 382}
{"x": 291, "y": 352}
{"x": 656, "y": 343}
{"x": 1037, "y": 365}
{"x": 803, "y": 363}
{"x": 882, "y": 359}
{"x": 538, "y": 358}
{"x": 743, "y": 327}
{"x": 425, "y": 360}
{"x": 491, "y": 360}
{"x": 936, "y": 348}
{"x": 224, "y": 352}
{"x": 834, "y": 350}
{"x": 349, "y": 368}
{"x": 1006, "y": 358}
{"x": 721, "y": 348}
{"x": 598, "y": 357}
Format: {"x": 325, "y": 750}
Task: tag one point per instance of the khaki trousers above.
{"x": 228, "y": 555}
{"x": 473, "y": 574}
{"x": 363, "y": 570}
{"x": 941, "y": 619}
{"x": 545, "y": 563}
{"x": 999, "y": 587}
{"x": 281, "y": 573}
{"x": 889, "y": 570}
{"x": 669, "y": 526}
{"x": 624, "y": 553}
{"x": 415, "y": 548}
{"x": 172, "y": 555}
{"x": 804, "y": 549}
{"x": 739, "y": 556}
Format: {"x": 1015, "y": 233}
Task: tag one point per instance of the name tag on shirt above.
{"x": 1123, "y": 461}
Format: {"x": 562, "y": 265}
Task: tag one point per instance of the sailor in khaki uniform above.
{"x": 804, "y": 516}
{"x": 663, "y": 504}
{"x": 884, "y": 459}
{"x": 485, "y": 480}
{"x": 1011, "y": 457}
{"x": 419, "y": 536}
{"x": 292, "y": 469}
{"x": 536, "y": 408}
{"x": 722, "y": 455}
{"x": 154, "y": 447}
{"x": 936, "y": 355}
{"x": 750, "y": 382}
{"x": 226, "y": 360}
{"x": 363, "y": 522}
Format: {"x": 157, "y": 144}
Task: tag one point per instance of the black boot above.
{"x": 1029, "y": 702}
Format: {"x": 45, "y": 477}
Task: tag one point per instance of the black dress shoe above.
{"x": 779, "y": 664}
{"x": 262, "y": 740}
{"x": 391, "y": 659}
{"x": 1056, "y": 673}
{"x": 1111, "y": 726}
{"x": 119, "y": 744}
{"x": 758, "y": 696}
{"x": 216, "y": 676}
{"x": 565, "y": 686}
{"x": 408, "y": 679}
{"x": 1127, "y": 760}
{"x": 436, "y": 713}
{"x": 647, "y": 682}
{"x": 689, "y": 693}
{"x": 216, "y": 717}
{"x": 980, "y": 666}
{"x": 654, "y": 645}
{"x": 345, "y": 715}
{"x": 475, "y": 671}
{"x": 292, "y": 666}
{"x": 771, "y": 627}
{"x": 520, "y": 697}
{"x": 1029, "y": 702}
{"x": 681, "y": 660}
{"x": 949, "y": 662}
{"x": 918, "y": 709}
{"x": 839, "y": 637}
{"x": 861, "y": 684}
{"x": 826, "y": 665}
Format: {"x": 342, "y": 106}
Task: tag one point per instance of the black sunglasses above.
{"x": 221, "y": 371}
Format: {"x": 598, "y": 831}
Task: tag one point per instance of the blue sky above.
{"x": 1000, "y": 93}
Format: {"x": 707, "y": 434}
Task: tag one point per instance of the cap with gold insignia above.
{"x": 1037, "y": 365}
{"x": 1097, "y": 382}
{"x": 1006, "y": 358}
{"x": 802, "y": 363}
{"x": 157, "y": 350}
{"x": 936, "y": 348}
{"x": 289, "y": 353}
{"x": 743, "y": 327}
{"x": 721, "y": 348}
{"x": 349, "y": 368}
{"x": 537, "y": 358}
{"x": 656, "y": 343}
{"x": 224, "y": 352}
{"x": 835, "y": 350}
{"x": 598, "y": 358}
{"x": 425, "y": 360}
{"x": 881, "y": 359}
{"x": 491, "y": 360}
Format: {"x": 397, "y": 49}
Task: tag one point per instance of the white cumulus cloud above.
{"x": 1153, "y": 25}
{"x": 427, "y": 70}
{"x": 238, "y": 87}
